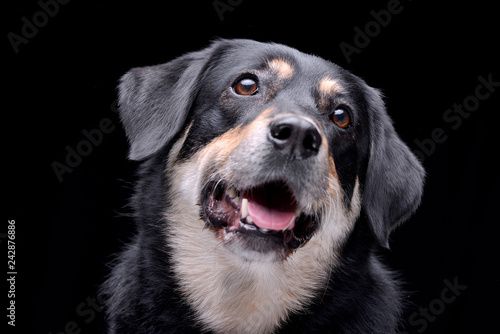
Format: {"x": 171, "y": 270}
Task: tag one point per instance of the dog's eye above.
{"x": 341, "y": 117}
{"x": 246, "y": 86}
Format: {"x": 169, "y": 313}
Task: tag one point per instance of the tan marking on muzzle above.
{"x": 224, "y": 145}
{"x": 332, "y": 170}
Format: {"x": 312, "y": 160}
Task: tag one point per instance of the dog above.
{"x": 269, "y": 180}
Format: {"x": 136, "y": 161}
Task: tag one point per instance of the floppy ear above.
{"x": 395, "y": 178}
{"x": 154, "y": 101}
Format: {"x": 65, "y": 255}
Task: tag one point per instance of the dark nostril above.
{"x": 312, "y": 140}
{"x": 281, "y": 131}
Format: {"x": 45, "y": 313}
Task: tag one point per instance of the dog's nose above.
{"x": 295, "y": 136}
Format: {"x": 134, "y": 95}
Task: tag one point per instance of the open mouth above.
{"x": 267, "y": 216}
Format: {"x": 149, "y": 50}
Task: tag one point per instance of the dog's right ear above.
{"x": 395, "y": 178}
{"x": 154, "y": 101}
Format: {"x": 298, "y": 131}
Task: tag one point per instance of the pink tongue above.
{"x": 270, "y": 218}
{"x": 271, "y": 210}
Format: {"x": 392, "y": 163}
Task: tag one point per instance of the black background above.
{"x": 62, "y": 81}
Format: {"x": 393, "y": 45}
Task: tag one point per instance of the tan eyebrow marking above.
{"x": 282, "y": 68}
{"x": 329, "y": 86}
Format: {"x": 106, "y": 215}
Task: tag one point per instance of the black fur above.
{"x": 157, "y": 103}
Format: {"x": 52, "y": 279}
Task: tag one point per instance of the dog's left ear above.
{"x": 154, "y": 101}
{"x": 395, "y": 178}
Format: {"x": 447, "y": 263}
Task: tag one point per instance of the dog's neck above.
{"x": 233, "y": 295}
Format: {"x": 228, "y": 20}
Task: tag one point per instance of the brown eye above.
{"x": 341, "y": 118}
{"x": 246, "y": 86}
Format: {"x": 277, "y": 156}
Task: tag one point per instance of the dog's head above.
{"x": 269, "y": 147}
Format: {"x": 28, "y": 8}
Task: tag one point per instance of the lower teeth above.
{"x": 244, "y": 224}
{"x": 247, "y": 224}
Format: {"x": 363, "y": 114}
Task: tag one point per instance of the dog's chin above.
{"x": 264, "y": 223}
